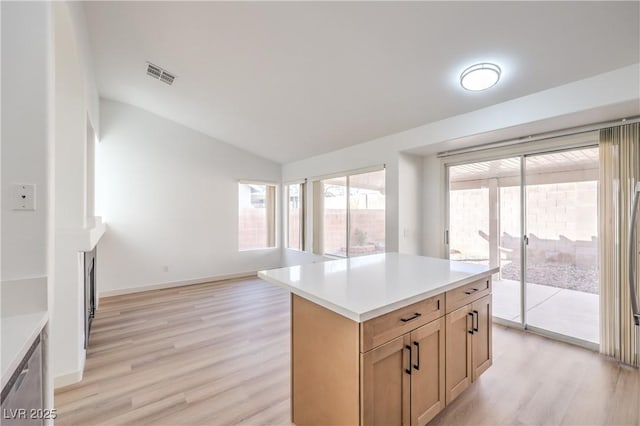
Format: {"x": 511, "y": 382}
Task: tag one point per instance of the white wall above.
{"x": 85, "y": 61}
{"x": 71, "y": 110}
{"x": 43, "y": 70}
{"x": 76, "y": 102}
{"x": 433, "y": 207}
{"x": 410, "y": 209}
{"x": 67, "y": 310}
{"x": 169, "y": 196}
{"x": 26, "y": 142}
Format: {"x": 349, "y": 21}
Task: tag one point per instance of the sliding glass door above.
{"x": 562, "y": 276}
{"x": 534, "y": 216}
{"x": 484, "y": 225}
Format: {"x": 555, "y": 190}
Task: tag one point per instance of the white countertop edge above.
{"x": 332, "y": 307}
{"x": 365, "y": 316}
{"x": 35, "y": 323}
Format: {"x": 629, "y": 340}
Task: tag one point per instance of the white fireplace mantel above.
{"x": 92, "y": 233}
{"x": 84, "y": 239}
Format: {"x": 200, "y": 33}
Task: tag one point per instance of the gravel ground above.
{"x": 580, "y": 278}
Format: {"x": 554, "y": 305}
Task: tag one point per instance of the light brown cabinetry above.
{"x": 386, "y": 385}
{"x": 468, "y": 347}
{"x": 458, "y": 332}
{"x": 382, "y": 329}
{"x": 428, "y": 373}
{"x": 403, "y": 380}
{"x": 402, "y": 367}
{"x": 482, "y": 354}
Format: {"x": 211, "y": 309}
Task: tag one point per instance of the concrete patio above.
{"x": 568, "y": 312}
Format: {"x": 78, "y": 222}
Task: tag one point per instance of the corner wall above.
{"x": 72, "y": 103}
{"x": 26, "y": 263}
{"x": 169, "y": 197}
{"x": 26, "y": 139}
{"x": 410, "y": 208}
{"x": 433, "y": 194}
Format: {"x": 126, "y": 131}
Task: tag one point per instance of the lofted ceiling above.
{"x": 291, "y": 80}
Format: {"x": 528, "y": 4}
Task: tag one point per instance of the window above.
{"x": 256, "y": 216}
{"x": 351, "y": 214}
{"x": 295, "y": 216}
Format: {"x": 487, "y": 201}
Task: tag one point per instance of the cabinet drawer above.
{"x": 466, "y": 294}
{"x": 386, "y": 327}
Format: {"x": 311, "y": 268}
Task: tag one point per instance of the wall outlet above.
{"x": 24, "y": 197}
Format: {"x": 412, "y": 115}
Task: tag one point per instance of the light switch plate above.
{"x": 24, "y": 197}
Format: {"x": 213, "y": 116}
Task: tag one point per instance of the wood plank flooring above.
{"x": 204, "y": 354}
{"x": 218, "y": 354}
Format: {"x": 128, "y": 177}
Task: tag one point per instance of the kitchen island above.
{"x": 384, "y": 339}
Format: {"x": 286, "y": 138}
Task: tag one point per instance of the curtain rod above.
{"x": 540, "y": 136}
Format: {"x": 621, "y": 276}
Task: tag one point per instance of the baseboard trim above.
{"x": 172, "y": 284}
{"x": 71, "y": 378}
{"x": 67, "y": 379}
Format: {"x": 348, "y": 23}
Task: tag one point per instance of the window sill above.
{"x": 258, "y": 249}
{"x": 333, "y": 257}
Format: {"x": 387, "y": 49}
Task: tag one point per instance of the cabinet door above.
{"x": 386, "y": 383}
{"x": 482, "y": 335}
{"x": 458, "y": 349}
{"x": 26, "y": 392}
{"x": 427, "y": 374}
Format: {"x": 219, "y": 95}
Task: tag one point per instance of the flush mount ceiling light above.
{"x": 480, "y": 76}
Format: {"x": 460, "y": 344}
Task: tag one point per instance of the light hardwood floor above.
{"x": 218, "y": 354}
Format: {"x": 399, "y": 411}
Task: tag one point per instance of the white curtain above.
{"x": 619, "y": 173}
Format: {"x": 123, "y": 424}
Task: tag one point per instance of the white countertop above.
{"x": 361, "y": 288}
{"x": 18, "y": 334}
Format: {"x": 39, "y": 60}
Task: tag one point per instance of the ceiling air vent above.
{"x": 167, "y": 78}
{"x": 160, "y": 74}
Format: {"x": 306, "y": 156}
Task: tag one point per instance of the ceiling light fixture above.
{"x": 480, "y": 76}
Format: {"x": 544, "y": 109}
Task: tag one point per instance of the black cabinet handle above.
{"x": 408, "y": 370}
{"x": 417, "y": 365}
{"x": 471, "y": 315}
{"x": 476, "y": 316}
{"x": 416, "y": 315}
{"x": 473, "y": 290}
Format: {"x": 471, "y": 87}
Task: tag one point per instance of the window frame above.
{"x": 302, "y": 189}
{"x": 271, "y": 217}
{"x": 318, "y": 208}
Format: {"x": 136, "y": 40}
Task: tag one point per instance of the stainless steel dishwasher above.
{"x": 22, "y": 399}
